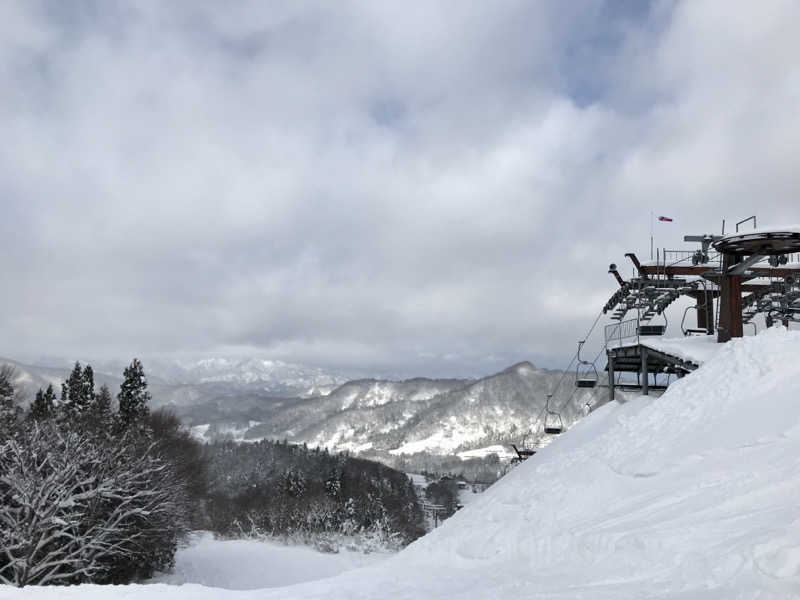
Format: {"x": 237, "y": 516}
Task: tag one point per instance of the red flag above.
{"x": 667, "y": 219}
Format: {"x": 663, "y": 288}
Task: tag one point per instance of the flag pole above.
{"x": 651, "y": 235}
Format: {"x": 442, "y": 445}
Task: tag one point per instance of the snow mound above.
{"x": 693, "y": 494}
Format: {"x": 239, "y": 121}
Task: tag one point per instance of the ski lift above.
{"x": 692, "y": 330}
{"x": 553, "y": 424}
{"x": 586, "y": 375}
{"x": 524, "y": 452}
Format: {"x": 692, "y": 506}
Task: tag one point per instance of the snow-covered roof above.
{"x": 696, "y": 349}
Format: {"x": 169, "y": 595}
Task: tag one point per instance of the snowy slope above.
{"x": 690, "y": 495}
{"x": 251, "y": 564}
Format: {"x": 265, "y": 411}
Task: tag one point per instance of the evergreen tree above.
{"x": 76, "y": 391}
{"x": 133, "y": 395}
{"x": 88, "y": 385}
{"x": 9, "y": 411}
{"x": 101, "y": 404}
{"x": 6, "y": 386}
{"x": 43, "y": 406}
{"x": 100, "y": 417}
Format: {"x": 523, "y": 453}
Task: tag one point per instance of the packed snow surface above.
{"x": 693, "y": 494}
{"x": 251, "y": 564}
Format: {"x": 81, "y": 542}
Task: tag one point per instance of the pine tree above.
{"x": 100, "y": 419}
{"x": 133, "y": 395}
{"x": 9, "y": 411}
{"x": 43, "y": 406}
{"x": 87, "y": 385}
{"x": 76, "y": 390}
{"x": 102, "y": 401}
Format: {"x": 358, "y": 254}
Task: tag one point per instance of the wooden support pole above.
{"x": 737, "y": 327}
{"x": 644, "y": 378}
{"x": 709, "y": 310}
{"x": 730, "y": 302}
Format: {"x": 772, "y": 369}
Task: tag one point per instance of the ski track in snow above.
{"x": 693, "y": 495}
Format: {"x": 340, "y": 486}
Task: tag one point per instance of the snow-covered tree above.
{"x": 77, "y": 392}
{"x": 43, "y": 406}
{"x": 72, "y": 510}
{"x": 294, "y": 483}
{"x": 87, "y": 381}
{"x": 99, "y": 413}
{"x": 133, "y": 395}
{"x": 9, "y": 411}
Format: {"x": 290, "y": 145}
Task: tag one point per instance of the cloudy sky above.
{"x": 417, "y": 187}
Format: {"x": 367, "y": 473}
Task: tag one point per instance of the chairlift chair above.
{"x": 651, "y": 330}
{"x": 523, "y": 453}
{"x": 586, "y": 375}
{"x": 553, "y": 423}
{"x": 687, "y": 331}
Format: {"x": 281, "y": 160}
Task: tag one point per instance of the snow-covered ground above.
{"x": 251, "y": 564}
{"x": 696, "y": 348}
{"x": 693, "y": 494}
{"x": 503, "y": 452}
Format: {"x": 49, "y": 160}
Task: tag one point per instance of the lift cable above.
{"x": 574, "y": 358}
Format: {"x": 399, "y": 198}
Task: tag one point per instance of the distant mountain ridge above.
{"x": 252, "y": 399}
{"x": 181, "y": 381}
{"x": 274, "y": 376}
{"x": 437, "y": 416}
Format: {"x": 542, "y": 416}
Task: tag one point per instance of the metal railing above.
{"x": 670, "y": 257}
{"x": 616, "y": 332}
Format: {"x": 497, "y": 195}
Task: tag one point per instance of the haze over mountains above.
{"x": 169, "y": 377}
{"x": 252, "y": 399}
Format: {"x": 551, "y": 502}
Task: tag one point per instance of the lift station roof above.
{"x": 762, "y": 241}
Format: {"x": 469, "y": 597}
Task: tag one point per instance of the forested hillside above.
{"x": 282, "y": 490}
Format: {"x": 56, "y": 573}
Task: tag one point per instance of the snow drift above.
{"x": 690, "y": 495}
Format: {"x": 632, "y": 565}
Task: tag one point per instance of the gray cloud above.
{"x": 429, "y": 188}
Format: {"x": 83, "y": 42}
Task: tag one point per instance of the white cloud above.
{"x": 368, "y": 183}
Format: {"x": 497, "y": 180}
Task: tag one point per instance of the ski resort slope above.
{"x": 695, "y": 494}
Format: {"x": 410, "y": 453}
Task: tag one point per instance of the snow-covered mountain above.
{"x": 252, "y": 399}
{"x": 256, "y": 374}
{"x": 441, "y": 417}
